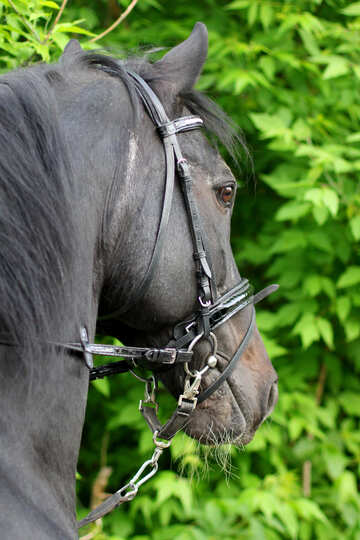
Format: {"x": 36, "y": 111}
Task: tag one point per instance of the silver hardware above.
{"x": 190, "y": 325}
{"x": 160, "y": 444}
{"x": 183, "y": 398}
{"x": 211, "y": 337}
{"x": 173, "y": 353}
{"x": 212, "y": 361}
{"x": 204, "y": 304}
{"x": 149, "y": 393}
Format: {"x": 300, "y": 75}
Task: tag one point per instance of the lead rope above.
{"x": 149, "y": 408}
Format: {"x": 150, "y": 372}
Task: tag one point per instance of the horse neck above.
{"x": 43, "y": 392}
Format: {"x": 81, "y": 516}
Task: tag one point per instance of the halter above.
{"x": 212, "y": 312}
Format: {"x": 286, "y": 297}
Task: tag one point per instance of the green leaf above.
{"x": 326, "y": 331}
{"x": 238, "y": 4}
{"x": 287, "y": 515}
{"x": 102, "y": 386}
{"x": 336, "y": 67}
{"x": 353, "y": 10}
{"x": 266, "y": 14}
{"x": 355, "y": 227}
{"x": 291, "y": 239}
{"x": 49, "y": 3}
{"x": 352, "y": 329}
{"x": 269, "y": 125}
{"x": 307, "y": 329}
{"x": 312, "y": 284}
{"x": 331, "y": 200}
{"x": 309, "y": 510}
{"x": 320, "y": 214}
{"x": 66, "y": 28}
{"x": 343, "y": 306}
{"x": 346, "y": 487}
{"x": 335, "y": 462}
{"x": 350, "y": 277}
{"x": 292, "y": 210}
{"x": 252, "y": 12}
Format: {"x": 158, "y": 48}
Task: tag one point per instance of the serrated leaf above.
{"x": 335, "y": 462}
{"x": 312, "y": 284}
{"x": 66, "y": 28}
{"x": 309, "y": 509}
{"x": 307, "y": 329}
{"x": 238, "y": 4}
{"x": 352, "y": 329}
{"x": 336, "y": 67}
{"x": 252, "y": 12}
{"x": 326, "y": 331}
{"x": 328, "y": 286}
{"x": 343, "y": 306}
{"x": 353, "y": 10}
{"x": 350, "y": 402}
{"x": 355, "y": 227}
{"x": 350, "y": 277}
{"x": 320, "y": 214}
{"x": 49, "y": 3}
{"x": 292, "y": 210}
{"x": 331, "y": 200}
{"x": 266, "y": 15}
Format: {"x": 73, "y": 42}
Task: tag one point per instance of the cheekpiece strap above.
{"x": 179, "y": 125}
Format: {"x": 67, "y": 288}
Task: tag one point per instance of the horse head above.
{"x": 97, "y": 229}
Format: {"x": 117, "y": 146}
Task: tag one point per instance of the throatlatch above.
{"x": 212, "y": 312}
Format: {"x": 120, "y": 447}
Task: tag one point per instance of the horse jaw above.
{"x": 237, "y": 408}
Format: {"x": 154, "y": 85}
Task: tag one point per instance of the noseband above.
{"x": 212, "y": 312}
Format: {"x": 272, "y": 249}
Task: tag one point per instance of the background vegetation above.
{"x": 288, "y": 73}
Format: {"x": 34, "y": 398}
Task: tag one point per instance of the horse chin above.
{"x": 220, "y": 421}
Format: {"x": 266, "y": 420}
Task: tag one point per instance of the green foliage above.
{"x": 288, "y": 73}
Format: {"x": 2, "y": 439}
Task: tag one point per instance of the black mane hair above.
{"x": 36, "y": 233}
{"x": 37, "y": 239}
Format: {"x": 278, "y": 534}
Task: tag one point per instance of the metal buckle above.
{"x": 190, "y": 401}
{"x": 173, "y": 354}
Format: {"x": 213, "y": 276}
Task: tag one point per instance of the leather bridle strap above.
{"x": 225, "y": 374}
{"x": 181, "y": 415}
{"x": 174, "y": 161}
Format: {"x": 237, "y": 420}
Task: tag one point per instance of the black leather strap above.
{"x": 174, "y": 161}
{"x": 178, "y": 420}
{"x": 231, "y": 365}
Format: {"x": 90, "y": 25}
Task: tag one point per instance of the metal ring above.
{"x": 194, "y": 341}
{"x": 204, "y": 304}
{"x": 160, "y": 444}
{"x": 142, "y": 379}
{"x": 198, "y": 338}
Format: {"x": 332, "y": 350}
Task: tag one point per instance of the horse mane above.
{"x": 37, "y": 240}
{"x": 36, "y": 233}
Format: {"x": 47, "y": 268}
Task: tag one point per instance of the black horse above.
{"x": 82, "y": 191}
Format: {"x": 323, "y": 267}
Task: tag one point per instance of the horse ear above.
{"x": 182, "y": 65}
{"x": 72, "y": 48}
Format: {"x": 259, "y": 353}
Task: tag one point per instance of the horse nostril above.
{"x": 273, "y": 397}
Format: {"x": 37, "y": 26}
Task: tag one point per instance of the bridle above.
{"x": 212, "y": 312}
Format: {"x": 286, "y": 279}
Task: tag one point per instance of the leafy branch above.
{"x": 24, "y": 21}
{"x": 57, "y": 19}
{"x": 117, "y": 22}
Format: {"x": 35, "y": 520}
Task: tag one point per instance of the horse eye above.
{"x": 226, "y": 194}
